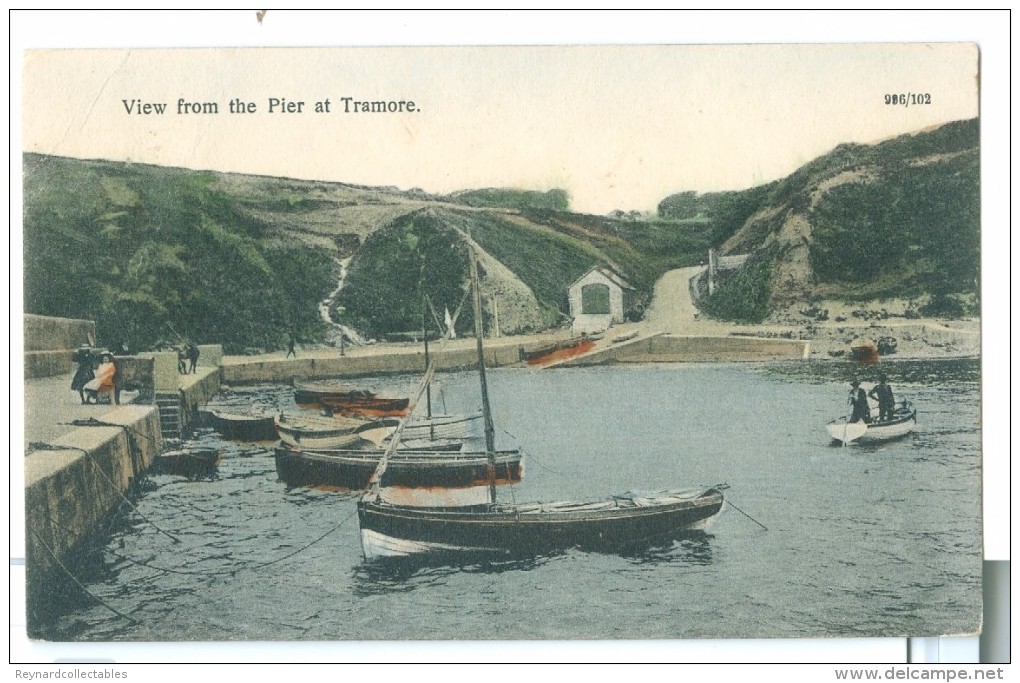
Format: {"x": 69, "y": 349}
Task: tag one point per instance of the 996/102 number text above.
{"x": 908, "y": 99}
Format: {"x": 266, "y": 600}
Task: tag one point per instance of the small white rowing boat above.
{"x": 904, "y": 421}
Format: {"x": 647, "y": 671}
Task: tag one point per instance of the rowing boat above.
{"x": 903, "y": 422}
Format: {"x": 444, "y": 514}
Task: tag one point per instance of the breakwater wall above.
{"x": 665, "y": 348}
{"x": 72, "y": 485}
{"x": 196, "y": 391}
{"x": 50, "y": 342}
{"x": 240, "y": 370}
{"x": 381, "y": 360}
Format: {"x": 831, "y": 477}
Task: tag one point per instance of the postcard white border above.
{"x": 237, "y": 28}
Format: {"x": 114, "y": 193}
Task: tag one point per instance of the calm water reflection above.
{"x": 862, "y": 541}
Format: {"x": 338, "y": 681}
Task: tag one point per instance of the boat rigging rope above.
{"x": 214, "y": 573}
{"x": 239, "y": 569}
{"x": 531, "y": 456}
{"x": 746, "y": 515}
{"x": 93, "y": 422}
{"x": 75, "y": 579}
{"x": 43, "y": 446}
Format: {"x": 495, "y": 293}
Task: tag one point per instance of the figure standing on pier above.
{"x": 83, "y": 372}
{"x": 290, "y": 346}
{"x": 192, "y": 352}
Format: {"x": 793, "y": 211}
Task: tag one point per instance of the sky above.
{"x": 617, "y": 127}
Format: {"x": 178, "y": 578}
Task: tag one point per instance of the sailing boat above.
{"x": 616, "y": 523}
{"x": 429, "y": 458}
{"x": 435, "y": 426}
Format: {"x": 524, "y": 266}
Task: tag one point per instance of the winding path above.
{"x": 671, "y": 308}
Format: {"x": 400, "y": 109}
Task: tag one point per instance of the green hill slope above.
{"x": 154, "y": 253}
{"x": 900, "y": 218}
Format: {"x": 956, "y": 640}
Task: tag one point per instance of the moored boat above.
{"x": 242, "y": 426}
{"x": 411, "y": 466}
{"x": 864, "y": 351}
{"x": 418, "y": 428}
{"x": 613, "y": 524}
{"x": 367, "y": 406}
{"x": 315, "y": 431}
{"x": 619, "y": 339}
{"x": 192, "y": 463}
{"x": 560, "y": 350}
{"x": 617, "y": 523}
{"x": 903, "y": 422}
{"x": 313, "y": 394}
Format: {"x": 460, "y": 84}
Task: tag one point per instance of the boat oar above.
{"x": 746, "y": 515}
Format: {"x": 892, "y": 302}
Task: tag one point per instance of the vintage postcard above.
{"x": 502, "y": 343}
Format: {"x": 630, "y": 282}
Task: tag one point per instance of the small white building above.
{"x": 598, "y": 299}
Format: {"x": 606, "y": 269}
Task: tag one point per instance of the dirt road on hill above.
{"x": 672, "y": 309}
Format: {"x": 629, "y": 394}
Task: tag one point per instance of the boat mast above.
{"x": 425, "y": 336}
{"x": 374, "y": 482}
{"x": 490, "y": 430}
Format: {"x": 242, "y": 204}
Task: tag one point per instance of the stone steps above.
{"x": 169, "y": 406}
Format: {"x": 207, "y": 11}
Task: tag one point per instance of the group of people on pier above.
{"x": 95, "y": 375}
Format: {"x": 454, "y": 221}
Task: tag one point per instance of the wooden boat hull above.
{"x": 313, "y": 394}
{"x": 193, "y": 463}
{"x": 319, "y": 432}
{"x": 436, "y": 427}
{"x": 239, "y": 427}
{"x": 368, "y": 406}
{"x": 624, "y": 337}
{"x": 904, "y": 422}
{"x": 353, "y": 469}
{"x": 615, "y": 524}
{"x": 557, "y": 351}
{"x": 865, "y": 352}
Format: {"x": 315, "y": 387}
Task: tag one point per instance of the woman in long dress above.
{"x": 104, "y": 381}
{"x": 83, "y": 372}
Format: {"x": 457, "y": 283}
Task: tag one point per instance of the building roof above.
{"x": 606, "y": 272}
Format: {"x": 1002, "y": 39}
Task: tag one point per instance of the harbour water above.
{"x": 880, "y": 540}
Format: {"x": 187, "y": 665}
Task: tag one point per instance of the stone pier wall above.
{"x": 664, "y": 348}
{"x": 390, "y": 362}
{"x": 50, "y": 342}
{"x": 73, "y": 486}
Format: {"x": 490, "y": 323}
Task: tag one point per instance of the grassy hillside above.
{"x": 417, "y": 253}
{"x": 545, "y": 250}
{"x": 155, "y": 253}
{"x": 152, "y": 253}
{"x": 900, "y": 218}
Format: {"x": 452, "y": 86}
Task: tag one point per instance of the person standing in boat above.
{"x": 861, "y": 411}
{"x": 883, "y": 393}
